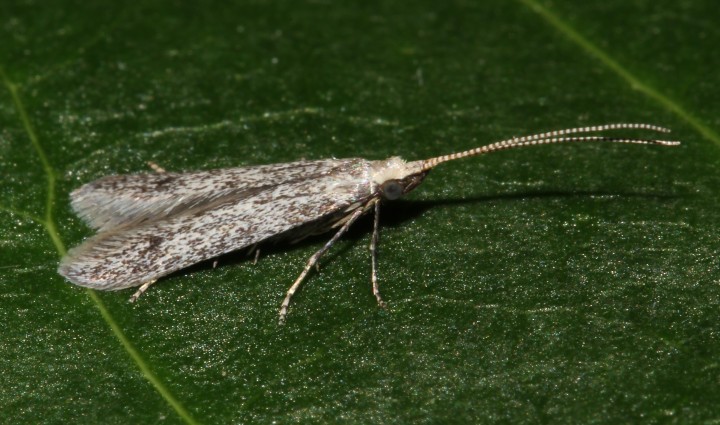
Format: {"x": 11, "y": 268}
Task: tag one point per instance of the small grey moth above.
{"x": 150, "y": 225}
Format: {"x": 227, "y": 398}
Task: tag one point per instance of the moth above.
{"x": 151, "y": 225}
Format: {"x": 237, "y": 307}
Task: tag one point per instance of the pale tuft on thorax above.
{"x": 394, "y": 168}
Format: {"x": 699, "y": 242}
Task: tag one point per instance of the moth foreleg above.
{"x": 141, "y": 290}
{"x": 313, "y": 260}
{"x": 373, "y": 256}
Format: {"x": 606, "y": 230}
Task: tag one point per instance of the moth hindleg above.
{"x": 141, "y": 290}
{"x": 155, "y": 167}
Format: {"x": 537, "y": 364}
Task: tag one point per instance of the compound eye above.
{"x": 392, "y": 190}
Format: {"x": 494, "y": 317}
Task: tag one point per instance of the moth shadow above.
{"x": 392, "y": 214}
{"x": 549, "y": 194}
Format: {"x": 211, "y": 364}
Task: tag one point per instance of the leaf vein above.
{"x": 634, "y": 82}
{"x": 48, "y": 222}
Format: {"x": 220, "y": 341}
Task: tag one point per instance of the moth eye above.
{"x": 392, "y": 190}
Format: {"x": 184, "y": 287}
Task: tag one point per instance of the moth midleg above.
{"x": 373, "y": 256}
{"x": 313, "y": 260}
{"x": 141, "y": 290}
{"x": 254, "y": 250}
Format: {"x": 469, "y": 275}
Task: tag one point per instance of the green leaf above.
{"x": 566, "y": 284}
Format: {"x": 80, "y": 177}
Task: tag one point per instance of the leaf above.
{"x": 558, "y": 284}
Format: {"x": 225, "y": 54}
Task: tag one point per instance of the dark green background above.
{"x": 568, "y": 284}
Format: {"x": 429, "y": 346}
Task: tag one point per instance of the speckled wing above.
{"x": 129, "y": 200}
{"x": 141, "y": 246}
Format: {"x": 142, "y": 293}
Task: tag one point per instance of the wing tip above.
{"x": 81, "y": 270}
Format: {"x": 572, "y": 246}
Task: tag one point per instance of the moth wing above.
{"x": 129, "y": 200}
{"x": 131, "y": 256}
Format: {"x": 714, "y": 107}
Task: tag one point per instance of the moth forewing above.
{"x": 130, "y": 199}
{"x": 150, "y": 225}
{"x": 134, "y": 253}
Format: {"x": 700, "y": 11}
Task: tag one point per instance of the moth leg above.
{"x": 313, "y": 260}
{"x": 141, "y": 290}
{"x": 255, "y": 249}
{"x": 155, "y": 167}
{"x": 373, "y": 256}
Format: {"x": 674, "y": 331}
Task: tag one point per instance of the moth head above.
{"x": 395, "y": 188}
{"x": 395, "y": 177}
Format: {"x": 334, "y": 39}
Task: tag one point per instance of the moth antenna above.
{"x": 558, "y": 136}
